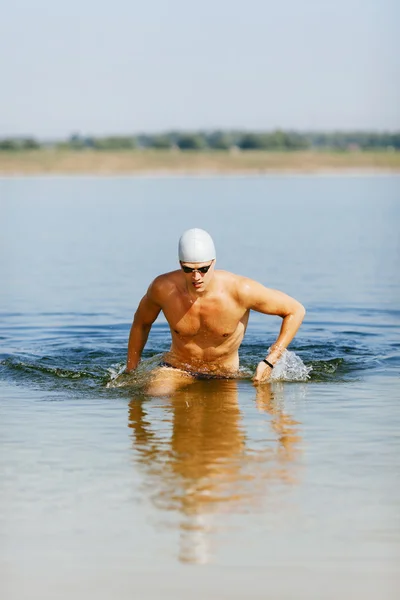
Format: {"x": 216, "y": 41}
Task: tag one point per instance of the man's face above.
{"x": 198, "y": 275}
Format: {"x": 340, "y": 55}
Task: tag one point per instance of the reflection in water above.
{"x": 201, "y": 458}
{"x": 282, "y": 424}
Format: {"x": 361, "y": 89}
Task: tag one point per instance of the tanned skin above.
{"x": 208, "y": 315}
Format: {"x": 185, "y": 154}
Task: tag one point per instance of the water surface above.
{"x": 292, "y": 486}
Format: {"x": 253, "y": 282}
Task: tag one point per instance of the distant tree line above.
{"x": 19, "y": 144}
{"x": 277, "y": 140}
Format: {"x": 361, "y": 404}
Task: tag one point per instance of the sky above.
{"x": 130, "y": 66}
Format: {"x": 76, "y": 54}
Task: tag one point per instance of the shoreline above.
{"x": 206, "y": 174}
{"x": 153, "y": 163}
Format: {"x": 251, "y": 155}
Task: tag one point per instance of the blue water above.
{"x": 300, "y": 477}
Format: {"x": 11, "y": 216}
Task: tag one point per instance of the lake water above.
{"x": 222, "y": 490}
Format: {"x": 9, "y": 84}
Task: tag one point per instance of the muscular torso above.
{"x": 208, "y": 330}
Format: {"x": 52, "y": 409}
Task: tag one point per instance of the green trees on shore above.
{"x": 11, "y": 144}
{"x": 273, "y": 141}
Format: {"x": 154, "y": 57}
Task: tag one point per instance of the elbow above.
{"x": 140, "y": 323}
{"x": 297, "y": 314}
{"x": 301, "y": 312}
{"x": 141, "y": 327}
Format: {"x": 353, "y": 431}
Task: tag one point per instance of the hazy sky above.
{"x": 127, "y": 66}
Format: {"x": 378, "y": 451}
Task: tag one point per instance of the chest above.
{"x": 219, "y": 317}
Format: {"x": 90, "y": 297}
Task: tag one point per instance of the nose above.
{"x": 196, "y": 276}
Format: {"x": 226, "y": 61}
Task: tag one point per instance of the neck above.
{"x": 202, "y": 292}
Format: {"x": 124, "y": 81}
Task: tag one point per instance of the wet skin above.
{"x": 208, "y": 315}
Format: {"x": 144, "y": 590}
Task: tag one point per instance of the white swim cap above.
{"x": 196, "y": 246}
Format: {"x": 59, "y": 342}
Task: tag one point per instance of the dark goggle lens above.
{"x": 200, "y": 270}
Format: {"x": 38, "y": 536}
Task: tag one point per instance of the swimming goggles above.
{"x": 192, "y": 270}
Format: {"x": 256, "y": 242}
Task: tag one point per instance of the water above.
{"x": 289, "y": 490}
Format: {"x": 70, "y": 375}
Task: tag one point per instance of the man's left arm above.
{"x": 273, "y": 302}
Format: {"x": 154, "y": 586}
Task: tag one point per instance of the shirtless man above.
{"x": 207, "y": 312}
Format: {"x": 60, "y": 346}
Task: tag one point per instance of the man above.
{"x": 207, "y": 312}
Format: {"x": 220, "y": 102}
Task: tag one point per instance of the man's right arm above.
{"x": 147, "y": 312}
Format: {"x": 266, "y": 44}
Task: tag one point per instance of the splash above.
{"x": 39, "y": 368}
{"x": 290, "y": 367}
{"x": 84, "y": 370}
{"x": 137, "y": 378}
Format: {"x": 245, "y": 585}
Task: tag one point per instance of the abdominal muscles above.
{"x": 206, "y": 352}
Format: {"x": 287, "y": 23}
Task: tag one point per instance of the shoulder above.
{"x": 251, "y": 294}
{"x": 162, "y": 286}
{"x": 243, "y": 289}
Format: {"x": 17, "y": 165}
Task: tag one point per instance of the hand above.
{"x": 263, "y": 373}
{"x": 126, "y": 371}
